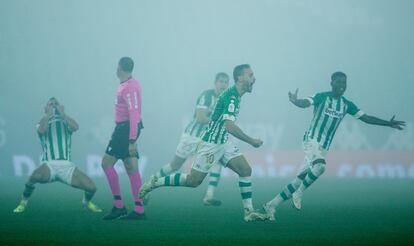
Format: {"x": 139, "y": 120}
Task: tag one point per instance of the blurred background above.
{"x": 70, "y": 50}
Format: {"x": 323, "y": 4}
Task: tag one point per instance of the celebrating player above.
{"x": 192, "y": 136}
{"x": 329, "y": 110}
{"x": 215, "y": 148}
{"x": 55, "y": 131}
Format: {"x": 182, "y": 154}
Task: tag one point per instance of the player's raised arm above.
{"x": 234, "y": 130}
{"x": 72, "y": 124}
{"x": 380, "y": 122}
{"x": 301, "y": 103}
{"x": 43, "y": 123}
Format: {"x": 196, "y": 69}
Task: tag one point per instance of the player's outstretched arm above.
{"x": 377, "y": 121}
{"x": 234, "y": 130}
{"x": 301, "y": 103}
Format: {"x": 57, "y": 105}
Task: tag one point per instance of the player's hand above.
{"x": 256, "y": 143}
{"x": 293, "y": 97}
{"x": 60, "y": 109}
{"x": 132, "y": 148}
{"x": 49, "y": 110}
{"x": 397, "y": 124}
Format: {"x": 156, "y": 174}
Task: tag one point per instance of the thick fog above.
{"x": 70, "y": 50}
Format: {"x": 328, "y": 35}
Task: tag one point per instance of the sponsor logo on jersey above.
{"x": 333, "y": 113}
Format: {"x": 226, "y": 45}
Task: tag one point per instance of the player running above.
{"x": 55, "y": 132}
{"x": 215, "y": 147}
{"x": 329, "y": 110}
{"x": 187, "y": 146}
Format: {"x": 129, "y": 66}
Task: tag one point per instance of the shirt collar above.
{"x": 130, "y": 77}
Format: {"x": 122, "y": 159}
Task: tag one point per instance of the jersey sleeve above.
{"x": 353, "y": 110}
{"x": 230, "y": 108}
{"x": 316, "y": 99}
{"x": 203, "y": 101}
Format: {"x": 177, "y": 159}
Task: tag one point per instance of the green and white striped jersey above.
{"x": 56, "y": 141}
{"x": 227, "y": 108}
{"x": 206, "y": 100}
{"x": 327, "y": 115}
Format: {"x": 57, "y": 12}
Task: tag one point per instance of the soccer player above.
{"x": 329, "y": 110}
{"x": 215, "y": 147}
{"x": 55, "y": 131}
{"x": 187, "y": 146}
{"x": 123, "y": 142}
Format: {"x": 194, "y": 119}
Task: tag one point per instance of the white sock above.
{"x": 214, "y": 178}
{"x": 313, "y": 174}
{"x": 245, "y": 185}
{"x": 177, "y": 179}
{"x": 84, "y": 201}
{"x": 165, "y": 171}
{"x": 286, "y": 193}
{"x": 24, "y": 201}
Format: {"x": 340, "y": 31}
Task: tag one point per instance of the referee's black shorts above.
{"x": 119, "y": 143}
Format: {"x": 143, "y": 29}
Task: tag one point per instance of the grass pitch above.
{"x": 335, "y": 212}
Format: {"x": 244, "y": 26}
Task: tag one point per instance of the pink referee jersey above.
{"x": 128, "y": 105}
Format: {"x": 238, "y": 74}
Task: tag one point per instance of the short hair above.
{"x": 221, "y": 75}
{"x": 238, "y": 71}
{"x": 336, "y": 75}
{"x": 52, "y": 98}
{"x": 126, "y": 64}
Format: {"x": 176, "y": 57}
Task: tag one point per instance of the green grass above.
{"x": 335, "y": 212}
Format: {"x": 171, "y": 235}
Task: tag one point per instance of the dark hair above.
{"x": 52, "y": 98}
{"x": 336, "y": 75}
{"x": 126, "y": 64}
{"x": 221, "y": 75}
{"x": 238, "y": 71}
